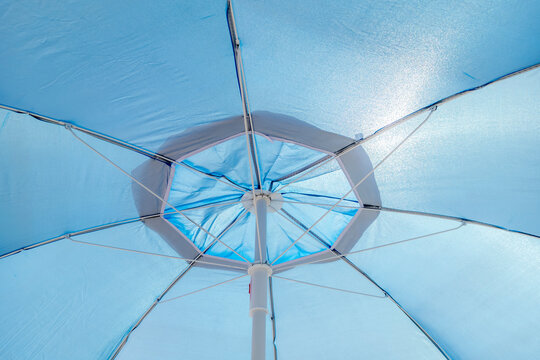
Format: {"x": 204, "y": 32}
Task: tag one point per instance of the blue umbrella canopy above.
{"x": 377, "y": 159}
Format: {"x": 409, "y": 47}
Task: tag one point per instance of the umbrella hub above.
{"x": 274, "y": 200}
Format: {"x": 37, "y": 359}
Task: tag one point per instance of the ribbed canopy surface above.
{"x": 447, "y": 267}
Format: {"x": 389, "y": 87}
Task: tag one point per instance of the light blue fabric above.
{"x": 477, "y": 158}
{"x": 134, "y": 70}
{"x": 213, "y": 324}
{"x": 229, "y": 161}
{"x": 354, "y": 66}
{"x": 318, "y": 323}
{"x": 72, "y": 301}
{"x": 474, "y": 289}
{"x": 317, "y": 185}
{"x": 51, "y": 184}
{"x": 144, "y": 72}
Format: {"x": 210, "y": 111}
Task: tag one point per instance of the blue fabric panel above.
{"x": 353, "y": 66}
{"x": 190, "y": 189}
{"x": 211, "y": 324}
{"x": 213, "y": 220}
{"x": 345, "y": 207}
{"x": 230, "y": 159}
{"x": 241, "y": 237}
{"x": 281, "y": 234}
{"x": 477, "y": 157}
{"x": 329, "y": 228}
{"x": 70, "y": 301}
{"x": 319, "y": 323}
{"x": 51, "y": 184}
{"x": 474, "y": 289}
{"x": 333, "y": 184}
{"x": 316, "y": 171}
{"x": 135, "y": 70}
{"x": 278, "y": 158}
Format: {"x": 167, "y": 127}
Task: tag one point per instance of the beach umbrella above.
{"x": 269, "y": 179}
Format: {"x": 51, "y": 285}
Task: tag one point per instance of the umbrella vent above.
{"x": 211, "y": 187}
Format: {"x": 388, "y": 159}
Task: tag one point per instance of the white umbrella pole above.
{"x": 259, "y": 272}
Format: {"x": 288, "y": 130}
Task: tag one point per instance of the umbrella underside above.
{"x": 163, "y": 163}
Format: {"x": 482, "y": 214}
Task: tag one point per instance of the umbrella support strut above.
{"x": 260, "y": 273}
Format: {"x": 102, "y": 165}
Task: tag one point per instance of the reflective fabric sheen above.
{"x": 71, "y": 301}
{"x": 136, "y": 70}
{"x": 477, "y": 157}
{"x": 352, "y": 67}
